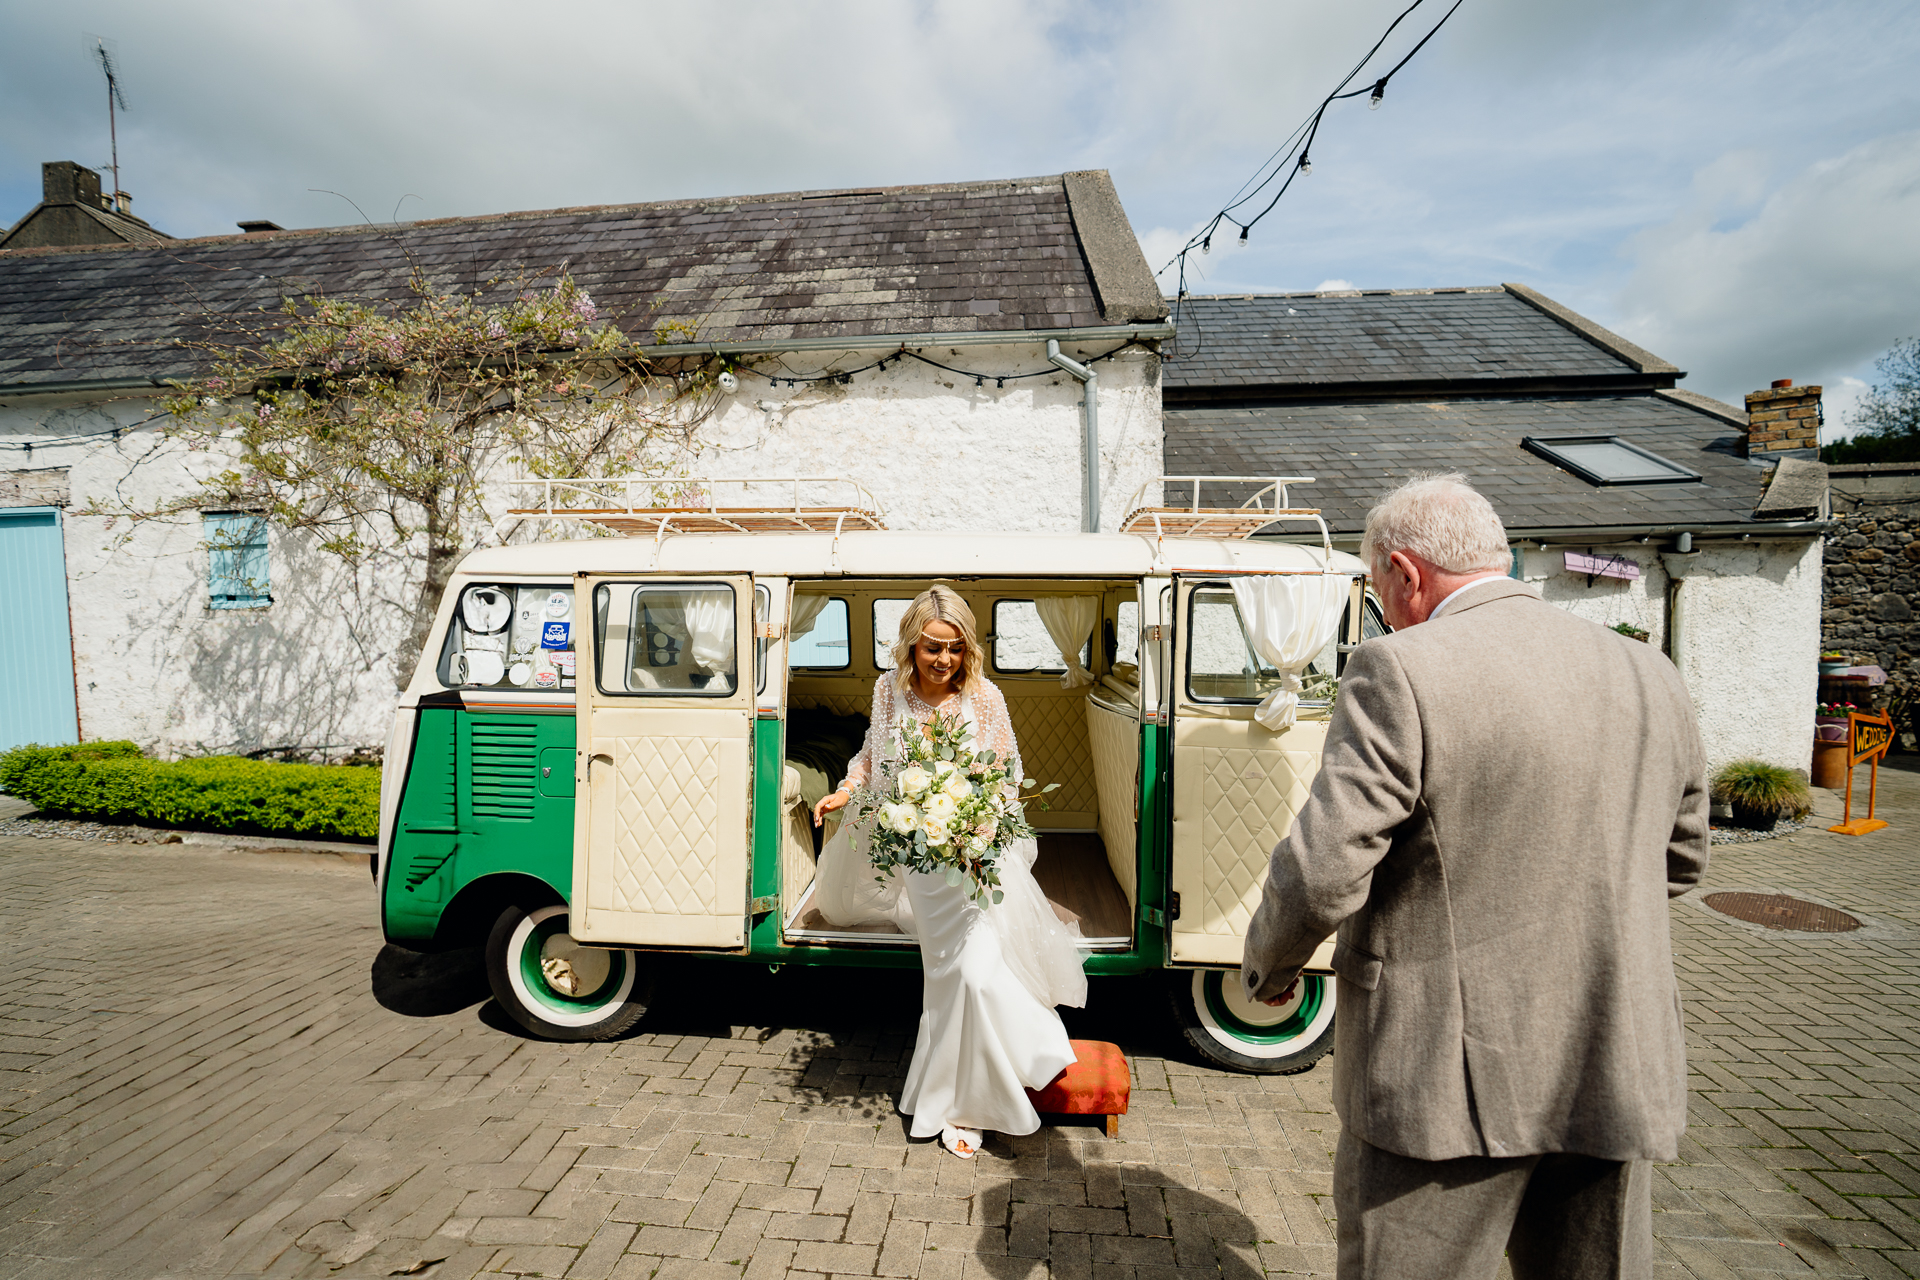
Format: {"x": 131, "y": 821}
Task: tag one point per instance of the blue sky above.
{"x": 1734, "y": 185}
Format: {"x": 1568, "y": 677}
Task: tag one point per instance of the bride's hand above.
{"x": 828, "y": 803}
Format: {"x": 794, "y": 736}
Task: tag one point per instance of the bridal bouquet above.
{"x": 944, "y": 809}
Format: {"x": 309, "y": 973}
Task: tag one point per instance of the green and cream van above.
{"x": 611, "y": 747}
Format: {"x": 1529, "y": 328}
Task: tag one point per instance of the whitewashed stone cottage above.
{"x": 143, "y": 634}
{"x": 1629, "y": 501}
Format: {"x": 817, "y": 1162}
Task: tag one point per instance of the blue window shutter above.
{"x": 237, "y": 568}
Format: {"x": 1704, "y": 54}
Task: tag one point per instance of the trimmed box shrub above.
{"x": 113, "y": 782}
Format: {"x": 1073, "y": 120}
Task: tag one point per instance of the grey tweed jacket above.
{"x": 1509, "y": 796}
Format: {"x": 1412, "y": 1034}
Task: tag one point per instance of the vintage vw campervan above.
{"x": 611, "y": 746}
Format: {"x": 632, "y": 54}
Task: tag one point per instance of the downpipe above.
{"x": 1090, "y": 415}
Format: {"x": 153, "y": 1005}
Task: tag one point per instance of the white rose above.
{"x": 957, "y": 786}
{"x": 936, "y": 831}
{"x": 900, "y": 817}
{"x": 941, "y": 768}
{"x": 941, "y": 808}
{"x": 914, "y": 781}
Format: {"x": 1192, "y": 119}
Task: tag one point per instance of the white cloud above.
{"x": 1333, "y": 286}
{"x": 1824, "y": 276}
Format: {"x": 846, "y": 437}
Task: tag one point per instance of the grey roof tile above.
{"x": 835, "y": 264}
{"x": 1359, "y": 450}
{"x": 1409, "y": 336}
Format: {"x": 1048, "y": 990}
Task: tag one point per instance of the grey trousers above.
{"x": 1556, "y": 1217}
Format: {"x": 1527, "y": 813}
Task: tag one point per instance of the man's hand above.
{"x": 1284, "y": 996}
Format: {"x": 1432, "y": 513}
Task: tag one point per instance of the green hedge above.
{"x": 113, "y": 782}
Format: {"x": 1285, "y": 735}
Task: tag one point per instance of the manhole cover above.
{"x": 1777, "y": 911}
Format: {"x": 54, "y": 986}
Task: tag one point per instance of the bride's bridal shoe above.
{"x": 962, "y": 1142}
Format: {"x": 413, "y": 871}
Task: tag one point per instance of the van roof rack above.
{"x": 657, "y": 505}
{"x": 1243, "y": 521}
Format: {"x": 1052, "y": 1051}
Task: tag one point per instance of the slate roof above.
{"x": 1442, "y": 337}
{"x": 1356, "y": 452}
{"x": 1362, "y": 390}
{"x": 960, "y": 258}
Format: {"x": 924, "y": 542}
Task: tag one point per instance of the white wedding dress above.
{"x": 988, "y": 1030}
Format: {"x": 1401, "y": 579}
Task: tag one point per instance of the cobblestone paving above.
{"x": 198, "y": 1078}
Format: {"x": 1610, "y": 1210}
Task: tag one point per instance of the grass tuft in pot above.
{"x": 1762, "y": 794}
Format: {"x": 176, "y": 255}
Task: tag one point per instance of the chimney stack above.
{"x": 64, "y": 182}
{"x": 1783, "y": 421}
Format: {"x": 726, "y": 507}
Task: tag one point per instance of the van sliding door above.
{"x": 665, "y": 724}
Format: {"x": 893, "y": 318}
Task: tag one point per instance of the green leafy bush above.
{"x": 113, "y": 782}
{"x": 1761, "y": 794}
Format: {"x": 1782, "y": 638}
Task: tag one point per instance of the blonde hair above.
{"x": 1440, "y": 518}
{"x": 938, "y": 603}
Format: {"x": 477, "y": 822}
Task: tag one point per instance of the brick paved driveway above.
{"x": 196, "y": 1079}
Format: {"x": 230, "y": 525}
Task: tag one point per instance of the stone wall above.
{"x": 1872, "y": 586}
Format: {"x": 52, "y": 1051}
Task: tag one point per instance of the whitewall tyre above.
{"x": 555, "y": 987}
{"x": 1230, "y": 1031}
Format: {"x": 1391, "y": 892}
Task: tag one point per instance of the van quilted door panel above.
{"x": 1237, "y": 788}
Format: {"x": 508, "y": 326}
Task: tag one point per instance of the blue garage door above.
{"x": 36, "y": 682}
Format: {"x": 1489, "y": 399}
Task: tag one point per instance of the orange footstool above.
{"x": 1098, "y": 1084}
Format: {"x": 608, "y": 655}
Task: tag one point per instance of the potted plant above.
{"x": 1833, "y": 663}
{"x": 1630, "y": 631}
{"x": 1762, "y": 794}
{"x": 1830, "y": 721}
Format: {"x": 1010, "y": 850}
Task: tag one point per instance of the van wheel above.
{"x": 555, "y": 987}
{"x": 1233, "y": 1032}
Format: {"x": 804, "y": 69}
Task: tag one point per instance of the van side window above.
{"x": 672, "y": 641}
{"x": 1127, "y": 632}
{"x": 762, "y": 606}
{"x": 886, "y": 629}
{"x": 821, "y": 640}
{"x": 1221, "y": 664}
{"x": 1021, "y": 642}
{"x": 511, "y": 636}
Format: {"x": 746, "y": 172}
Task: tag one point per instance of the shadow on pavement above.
{"x": 421, "y": 984}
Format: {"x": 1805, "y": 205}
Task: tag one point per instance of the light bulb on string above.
{"x": 1306, "y": 164}
{"x": 1244, "y": 232}
{"x": 1206, "y": 246}
{"x": 1379, "y": 92}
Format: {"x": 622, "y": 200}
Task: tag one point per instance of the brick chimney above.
{"x": 64, "y": 182}
{"x": 1783, "y": 421}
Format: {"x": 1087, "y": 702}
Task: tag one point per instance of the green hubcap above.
{"x": 1288, "y": 1023}
{"x": 565, "y": 976}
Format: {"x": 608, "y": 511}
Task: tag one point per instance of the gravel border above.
{"x": 36, "y": 827}
{"x": 1747, "y": 835}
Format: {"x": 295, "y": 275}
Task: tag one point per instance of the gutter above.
{"x": 1090, "y": 418}
{"x": 766, "y": 346}
{"x": 1628, "y": 532}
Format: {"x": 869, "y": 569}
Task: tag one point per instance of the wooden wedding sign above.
{"x": 1868, "y": 737}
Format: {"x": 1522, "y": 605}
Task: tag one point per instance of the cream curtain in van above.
{"x": 1289, "y": 618}
{"x": 806, "y": 612}
{"x": 1069, "y": 621}
{"x": 710, "y": 624}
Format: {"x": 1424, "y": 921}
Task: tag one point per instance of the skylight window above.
{"x": 1608, "y": 460}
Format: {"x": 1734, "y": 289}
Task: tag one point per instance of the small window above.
{"x": 1021, "y": 642}
{"x": 237, "y": 575}
{"x": 1221, "y": 664}
{"x": 517, "y": 636}
{"x": 1608, "y": 460}
{"x": 886, "y": 629}
{"x": 670, "y": 641}
{"x": 826, "y": 645}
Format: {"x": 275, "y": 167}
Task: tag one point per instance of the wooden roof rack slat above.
{"x": 1243, "y": 521}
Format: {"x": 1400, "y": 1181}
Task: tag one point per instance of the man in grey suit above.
{"x": 1508, "y": 798}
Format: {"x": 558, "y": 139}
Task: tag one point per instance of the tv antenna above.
{"x": 114, "y": 99}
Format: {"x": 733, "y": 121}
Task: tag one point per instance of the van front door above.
{"x": 665, "y": 722}
{"x": 1236, "y": 785}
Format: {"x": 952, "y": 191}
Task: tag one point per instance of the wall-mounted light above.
{"x": 729, "y": 381}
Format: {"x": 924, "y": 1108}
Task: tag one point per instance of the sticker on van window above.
{"x": 556, "y": 635}
{"x": 547, "y": 679}
{"x": 560, "y": 604}
{"x": 563, "y": 663}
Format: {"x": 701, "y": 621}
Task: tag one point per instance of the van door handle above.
{"x": 597, "y": 759}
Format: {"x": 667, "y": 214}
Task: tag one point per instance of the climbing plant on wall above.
{"x": 382, "y": 427}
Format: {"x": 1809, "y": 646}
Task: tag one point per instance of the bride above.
{"x": 993, "y": 974}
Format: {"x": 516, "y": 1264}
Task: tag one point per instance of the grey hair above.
{"x": 1440, "y": 518}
